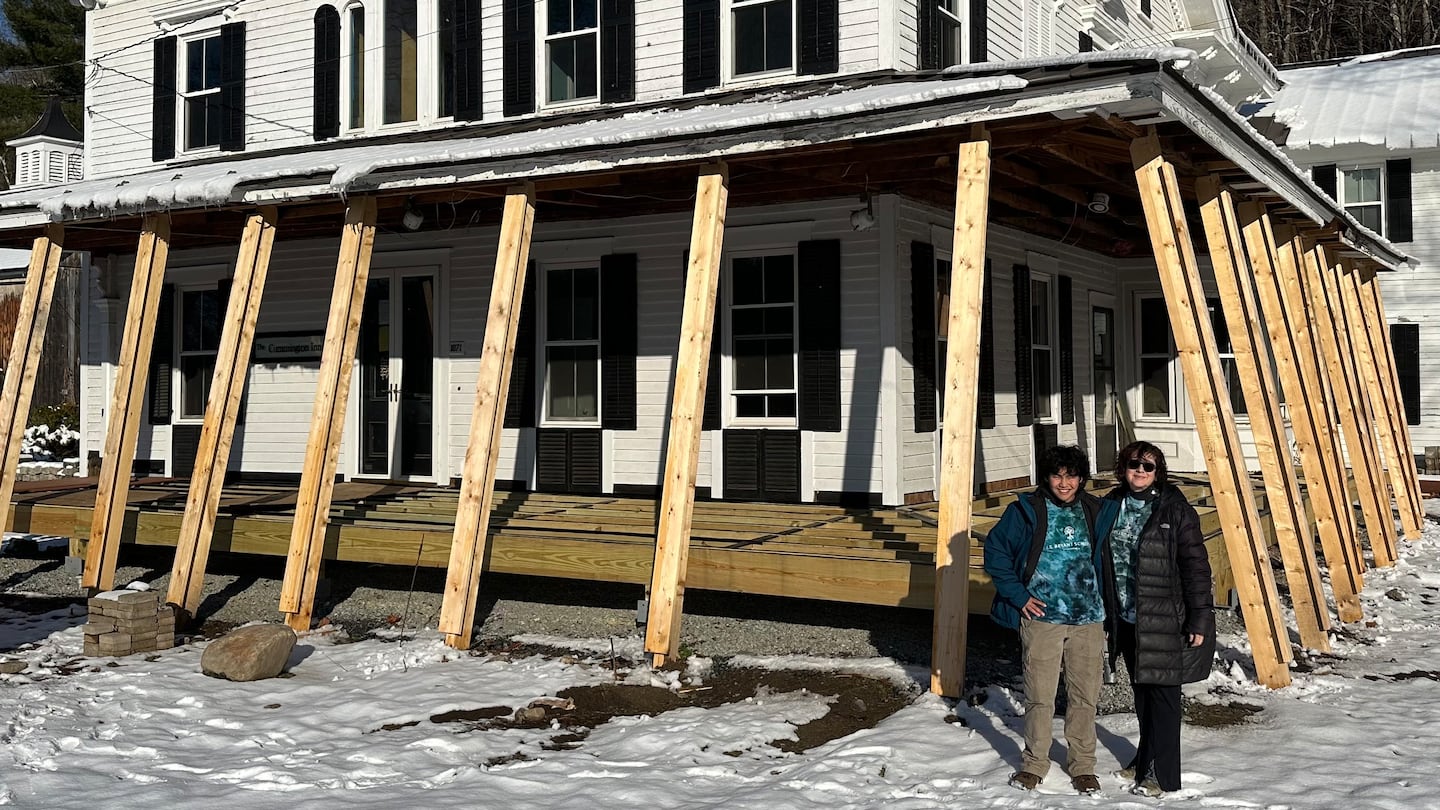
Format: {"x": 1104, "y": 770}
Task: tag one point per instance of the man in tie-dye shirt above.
{"x": 1046, "y": 560}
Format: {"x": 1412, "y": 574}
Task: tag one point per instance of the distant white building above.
{"x": 1368, "y": 128}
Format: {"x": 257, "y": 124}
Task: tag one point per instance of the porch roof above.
{"x": 1062, "y": 129}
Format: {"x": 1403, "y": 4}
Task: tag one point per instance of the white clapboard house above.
{"x": 1368, "y": 128}
{"x": 812, "y": 169}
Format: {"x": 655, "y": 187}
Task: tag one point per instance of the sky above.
{"x": 1358, "y": 729}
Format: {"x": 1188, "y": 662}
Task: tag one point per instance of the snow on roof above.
{"x": 1387, "y": 99}
{"x": 338, "y": 170}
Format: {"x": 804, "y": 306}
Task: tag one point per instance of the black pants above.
{"x": 1158, "y": 710}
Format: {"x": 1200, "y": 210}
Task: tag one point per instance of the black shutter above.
{"x": 585, "y": 452}
{"x": 518, "y": 36}
{"x": 162, "y": 107}
{"x": 552, "y": 460}
{"x": 619, "y": 341}
{"x": 617, "y": 50}
{"x": 1325, "y": 178}
{"x": 922, "y": 335}
{"x": 927, "y": 35}
{"x": 819, "y": 23}
{"x": 819, "y": 338}
{"x": 466, "y": 80}
{"x": 162, "y": 358}
{"x": 780, "y": 465}
{"x": 985, "y": 404}
{"x": 184, "y": 447}
{"x": 1398, "y": 213}
{"x": 979, "y": 31}
{"x": 1086, "y": 43}
{"x": 232, "y": 87}
{"x": 1405, "y": 341}
{"x": 520, "y": 404}
{"x": 701, "y": 44}
{"x": 1024, "y": 392}
{"x": 1065, "y": 317}
{"x": 326, "y": 102}
{"x": 742, "y": 464}
{"x": 1145, "y": 7}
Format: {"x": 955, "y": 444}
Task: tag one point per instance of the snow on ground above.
{"x": 1359, "y": 729}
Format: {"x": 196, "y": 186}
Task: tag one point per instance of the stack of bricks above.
{"x": 128, "y": 622}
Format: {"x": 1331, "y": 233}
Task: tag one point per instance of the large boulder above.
{"x": 251, "y": 653}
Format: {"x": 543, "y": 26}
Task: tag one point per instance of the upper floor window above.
{"x": 355, "y": 68}
{"x": 198, "y": 97}
{"x": 201, "y": 92}
{"x": 572, "y": 50}
{"x": 401, "y": 52}
{"x": 951, "y": 32}
{"x": 763, "y": 35}
{"x": 1378, "y": 195}
{"x": 745, "y": 39}
{"x": 1360, "y": 193}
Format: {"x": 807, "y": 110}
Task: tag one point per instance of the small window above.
{"x": 1228, "y": 370}
{"x": 572, "y": 66}
{"x": 764, "y": 35}
{"x": 355, "y": 67}
{"x": 1041, "y": 348}
{"x": 1361, "y": 192}
{"x": 762, "y": 331}
{"x": 950, "y": 16}
{"x": 201, "y": 312}
{"x": 1156, "y": 356}
{"x": 572, "y": 345}
{"x": 402, "y": 61}
{"x": 200, "y": 92}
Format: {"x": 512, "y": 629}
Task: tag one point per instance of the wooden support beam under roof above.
{"x": 127, "y": 397}
{"x": 1290, "y": 337}
{"x": 469, "y": 545}
{"x": 1253, "y": 363}
{"x": 1374, "y": 307}
{"x": 1214, "y": 422}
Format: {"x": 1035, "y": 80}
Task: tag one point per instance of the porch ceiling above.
{"x": 1061, "y": 134}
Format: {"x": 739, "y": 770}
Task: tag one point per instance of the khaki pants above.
{"x": 1081, "y": 650}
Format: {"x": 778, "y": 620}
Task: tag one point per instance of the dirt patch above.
{"x": 1218, "y": 715}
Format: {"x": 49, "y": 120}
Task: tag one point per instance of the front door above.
{"x": 1102, "y": 333}
{"x": 396, "y": 365}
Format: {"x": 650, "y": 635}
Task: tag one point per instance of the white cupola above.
{"x": 50, "y": 153}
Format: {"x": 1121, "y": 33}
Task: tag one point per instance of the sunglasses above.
{"x": 1140, "y": 464}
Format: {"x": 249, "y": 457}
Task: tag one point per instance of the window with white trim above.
{"x": 763, "y": 37}
{"x": 354, "y": 61}
{"x": 572, "y": 345}
{"x": 1157, "y": 355}
{"x": 201, "y": 313}
{"x": 762, "y": 338}
{"x": 1228, "y": 369}
{"x": 950, "y": 17}
{"x": 1042, "y": 365}
{"x": 1362, "y": 193}
{"x": 571, "y": 50}
{"x": 399, "y": 50}
{"x": 397, "y": 63}
{"x": 200, "y": 91}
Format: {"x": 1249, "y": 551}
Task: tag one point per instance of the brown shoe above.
{"x": 1024, "y": 780}
{"x": 1086, "y": 784}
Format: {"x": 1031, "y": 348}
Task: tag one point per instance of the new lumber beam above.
{"x": 24, "y": 362}
{"x": 1374, "y": 306}
{"x": 682, "y": 455}
{"x": 1254, "y": 362}
{"x": 1214, "y": 421}
{"x": 327, "y": 421}
{"x": 232, "y": 363}
{"x": 1359, "y": 445}
{"x": 1291, "y": 339}
{"x": 127, "y": 399}
{"x": 469, "y": 546}
{"x": 954, "y": 534}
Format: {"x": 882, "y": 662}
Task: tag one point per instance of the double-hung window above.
{"x": 762, "y": 335}
{"x": 950, "y": 19}
{"x": 763, "y": 33}
{"x": 201, "y": 312}
{"x": 1156, "y": 358}
{"x": 1228, "y": 369}
{"x": 572, "y": 345}
{"x": 200, "y": 90}
{"x": 572, "y": 60}
{"x": 355, "y": 67}
{"x": 400, "y": 50}
{"x": 1361, "y": 192}
{"x": 1042, "y": 348}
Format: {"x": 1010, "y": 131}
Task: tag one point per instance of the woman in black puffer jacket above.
{"x": 1165, "y": 627}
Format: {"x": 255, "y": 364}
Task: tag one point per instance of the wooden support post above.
{"x": 1354, "y": 425}
{"x": 1378, "y": 402}
{"x": 25, "y": 348}
{"x": 682, "y": 455}
{"x": 127, "y": 399}
{"x": 1254, "y": 363}
{"x": 1300, "y": 380}
{"x": 327, "y": 422}
{"x": 1214, "y": 421}
{"x": 232, "y": 363}
{"x": 469, "y": 545}
{"x": 957, "y": 448}
{"x": 1295, "y": 283}
{"x": 1374, "y": 307}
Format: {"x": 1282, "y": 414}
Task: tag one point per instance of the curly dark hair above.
{"x": 1063, "y": 457}
{"x": 1140, "y": 450}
